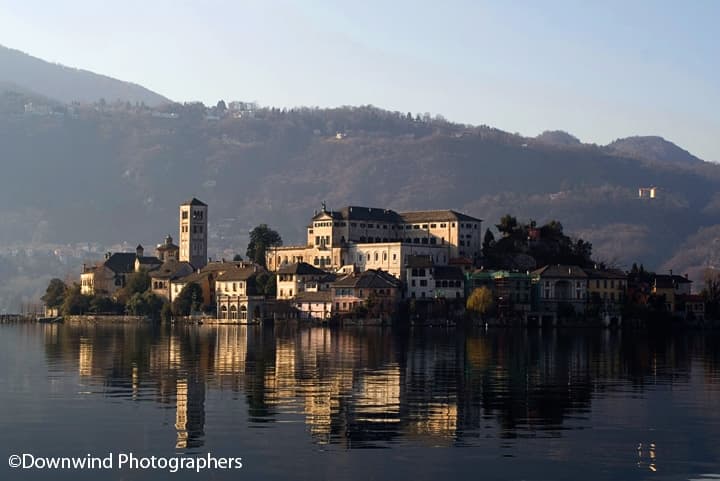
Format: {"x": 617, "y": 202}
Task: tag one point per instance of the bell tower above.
{"x": 193, "y": 233}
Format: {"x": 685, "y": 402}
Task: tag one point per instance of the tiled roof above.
{"x": 436, "y": 216}
{"x": 237, "y": 274}
{"x": 354, "y": 212}
{"x": 121, "y": 262}
{"x": 376, "y": 214}
{"x": 321, "y": 296}
{"x": 301, "y": 268}
{"x": 669, "y": 282}
{"x": 194, "y": 201}
{"x": 605, "y": 274}
{"x": 149, "y": 260}
{"x": 369, "y": 279}
{"x": 172, "y": 270}
{"x": 561, "y": 271}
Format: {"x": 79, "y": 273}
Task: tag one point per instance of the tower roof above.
{"x": 194, "y": 201}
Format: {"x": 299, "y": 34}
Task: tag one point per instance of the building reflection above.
{"x": 367, "y": 387}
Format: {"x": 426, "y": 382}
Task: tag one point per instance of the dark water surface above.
{"x": 363, "y": 403}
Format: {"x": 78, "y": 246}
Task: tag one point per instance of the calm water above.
{"x": 366, "y": 403}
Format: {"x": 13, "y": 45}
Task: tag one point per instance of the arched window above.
{"x": 376, "y": 256}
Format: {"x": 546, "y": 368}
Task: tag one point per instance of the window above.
{"x": 424, "y": 226}
{"x": 412, "y": 283}
{"x": 353, "y": 224}
{"x": 423, "y": 283}
{"x": 443, "y": 225}
{"x": 416, "y": 240}
{"x": 416, "y": 226}
{"x": 362, "y": 225}
{"x": 433, "y": 241}
{"x": 432, "y": 226}
{"x": 376, "y": 257}
{"x": 408, "y": 227}
{"x": 384, "y": 256}
{"x": 184, "y": 214}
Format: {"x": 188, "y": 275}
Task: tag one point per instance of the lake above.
{"x": 302, "y": 402}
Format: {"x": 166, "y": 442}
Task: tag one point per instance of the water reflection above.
{"x": 375, "y": 387}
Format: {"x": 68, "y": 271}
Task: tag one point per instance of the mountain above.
{"x": 558, "y": 137}
{"x": 652, "y": 148}
{"x": 67, "y": 84}
{"x": 81, "y": 179}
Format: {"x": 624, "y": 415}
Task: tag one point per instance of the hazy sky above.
{"x": 598, "y": 69}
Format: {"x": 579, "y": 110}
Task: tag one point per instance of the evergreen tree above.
{"x": 262, "y": 237}
{"x": 54, "y": 294}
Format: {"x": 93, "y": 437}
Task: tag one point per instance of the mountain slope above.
{"x": 67, "y": 84}
{"x": 117, "y": 176}
{"x": 652, "y": 148}
{"x": 558, "y": 137}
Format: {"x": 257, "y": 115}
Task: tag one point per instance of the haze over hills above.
{"x": 111, "y": 174}
{"x": 652, "y": 148}
{"x": 67, "y": 84}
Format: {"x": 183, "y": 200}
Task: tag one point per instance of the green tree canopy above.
{"x": 55, "y": 293}
{"x": 262, "y": 237}
{"x": 145, "y": 304}
{"x": 75, "y": 303}
{"x": 189, "y": 300}
{"x": 266, "y": 284}
{"x": 137, "y": 283}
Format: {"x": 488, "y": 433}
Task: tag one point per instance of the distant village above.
{"x": 363, "y": 263}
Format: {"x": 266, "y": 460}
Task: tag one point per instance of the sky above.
{"x": 599, "y": 70}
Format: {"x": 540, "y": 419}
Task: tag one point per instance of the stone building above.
{"x": 336, "y": 238}
{"x": 194, "y": 233}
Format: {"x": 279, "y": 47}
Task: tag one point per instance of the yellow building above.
{"x": 334, "y": 238}
{"x": 606, "y": 287}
